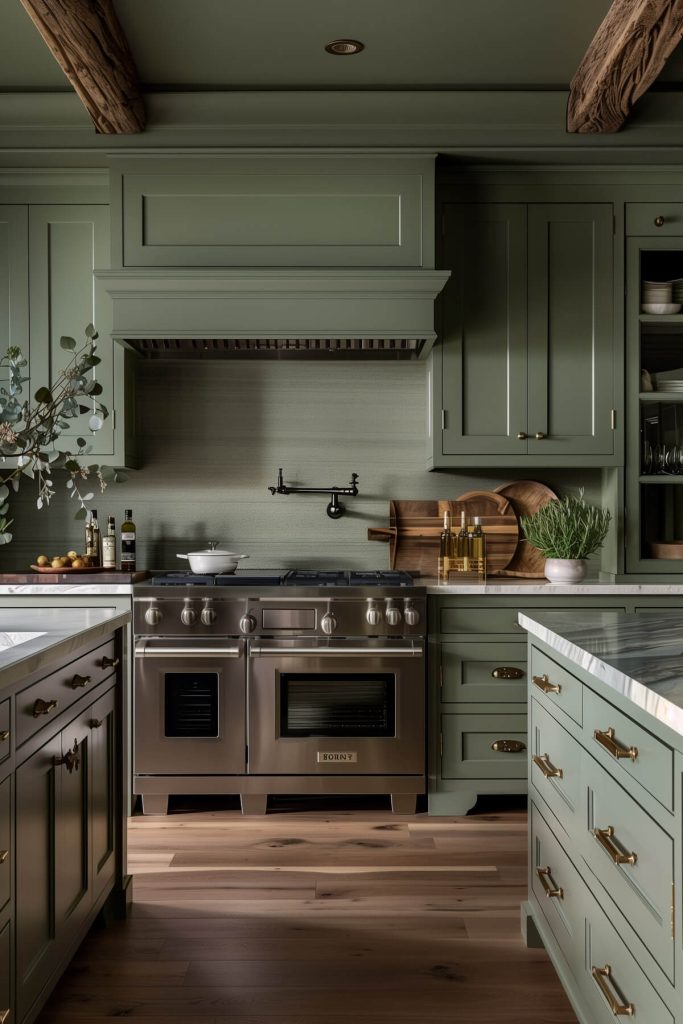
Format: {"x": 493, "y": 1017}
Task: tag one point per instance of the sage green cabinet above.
{"x": 14, "y": 313}
{"x": 6, "y": 972}
{"x": 524, "y": 373}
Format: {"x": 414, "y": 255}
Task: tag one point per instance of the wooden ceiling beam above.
{"x": 88, "y": 43}
{"x": 625, "y": 57}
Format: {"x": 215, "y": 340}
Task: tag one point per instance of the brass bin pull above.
{"x": 602, "y": 977}
{"x": 4, "y": 854}
{"x": 71, "y": 759}
{"x": 109, "y": 662}
{"x": 43, "y": 707}
{"x": 552, "y": 892}
{"x": 543, "y": 683}
{"x": 507, "y": 672}
{"x": 78, "y": 682}
{"x": 4, "y": 735}
{"x": 4, "y": 1016}
{"x": 508, "y": 746}
{"x": 606, "y": 739}
{"x": 604, "y": 837}
{"x": 543, "y": 762}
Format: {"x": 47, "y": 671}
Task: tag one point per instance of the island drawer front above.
{"x": 627, "y": 982}
{"x": 642, "y": 218}
{"x": 557, "y": 751}
{"x": 652, "y": 764}
{"x": 5, "y": 843}
{"x": 483, "y": 673}
{"x": 643, "y": 890}
{"x": 5, "y": 745}
{"x": 5, "y": 973}
{"x": 65, "y": 686}
{"x": 467, "y": 746}
{"x": 545, "y": 674}
{"x": 563, "y": 911}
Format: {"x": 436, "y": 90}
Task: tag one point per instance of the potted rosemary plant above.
{"x": 566, "y": 531}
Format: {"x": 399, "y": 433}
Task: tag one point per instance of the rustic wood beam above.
{"x": 627, "y": 53}
{"x": 87, "y": 41}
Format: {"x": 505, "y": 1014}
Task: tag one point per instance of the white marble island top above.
{"x": 33, "y": 638}
{"x": 640, "y": 656}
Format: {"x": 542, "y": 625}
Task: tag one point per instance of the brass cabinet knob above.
{"x": 4, "y": 1015}
{"x": 95, "y": 723}
{"x": 43, "y": 707}
{"x": 659, "y": 221}
{"x": 539, "y": 435}
{"x": 109, "y": 662}
{"x": 78, "y": 682}
{"x": 4, "y": 735}
{"x": 521, "y": 436}
{"x": 4, "y": 854}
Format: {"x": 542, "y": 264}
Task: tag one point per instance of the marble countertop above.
{"x": 639, "y": 656}
{"x": 508, "y": 586}
{"x": 33, "y": 638}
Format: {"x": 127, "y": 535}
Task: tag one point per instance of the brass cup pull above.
{"x": 4, "y": 735}
{"x": 659, "y": 221}
{"x": 4, "y": 854}
{"x": 551, "y": 891}
{"x": 543, "y": 762}
{"x": 543, "y": 683}
{"x": 4, "y": 1016}
{"x": 507, "y": 672}
{"x": 508, "y": 746}
{"x": 605, "y": 837}
{"x": 521, "y": 435}
{"x": 71, "y": 760}
{"x": 43, "y": 707}
{"x": 109, "y": 662}
{"x": 78, "y": 682}
{"x": 602, "y": 977}
{"x": 606, "y": 739}
{"x": 95, "y": 723}
{"x": 539, "y": 435}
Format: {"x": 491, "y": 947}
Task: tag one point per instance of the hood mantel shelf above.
{"x": 274, "y": 312}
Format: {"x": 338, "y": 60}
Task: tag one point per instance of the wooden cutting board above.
{"x": 526, "y": 496}
{"x": 415, "y": 528}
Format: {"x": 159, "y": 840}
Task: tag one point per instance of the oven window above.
{"x": 356, "y": 704}
{"x": 191, "y": 704}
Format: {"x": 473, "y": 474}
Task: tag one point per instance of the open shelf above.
{"x": 662, "y": 478}
{"x": 661, "y": 396}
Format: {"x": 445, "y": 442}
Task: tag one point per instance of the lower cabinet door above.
{"x": 5, "y": 975}
{"x": 489, "y": 673}
{"x": 103, "y": 792}
{"x": 5, "y": 842}
{"x": 554, "y": 768}
{"x": 483, "y": 746}
{"x": 73, "y": 895}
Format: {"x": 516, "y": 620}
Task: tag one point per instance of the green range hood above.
{"x": 246, "y": 313}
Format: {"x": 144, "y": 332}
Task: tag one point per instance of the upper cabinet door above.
{"x": 571, "y": 335}
{"x": 13, "y": 280}
{"x": 484, "y": 330}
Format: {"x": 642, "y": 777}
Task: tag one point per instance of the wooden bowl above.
{"x": 674, "y": 549}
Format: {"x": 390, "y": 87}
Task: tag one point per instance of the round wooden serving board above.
{"x": 526, "y": 496}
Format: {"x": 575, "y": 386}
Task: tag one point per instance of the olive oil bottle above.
{"x": 462, "y": 547}
{"x": 446, "y": 547}
{"x": 478, "y": 544}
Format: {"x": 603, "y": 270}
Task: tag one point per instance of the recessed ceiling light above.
{"x": 344, "y": 47}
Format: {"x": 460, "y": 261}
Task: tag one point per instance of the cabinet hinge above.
{"x": 443, "y": 419}
{"x": 613, "y": 418}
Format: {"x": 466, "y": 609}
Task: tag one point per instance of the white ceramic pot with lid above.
{"x": 212, "y": 560}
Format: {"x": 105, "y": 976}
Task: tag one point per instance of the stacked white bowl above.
{"x": 657, "y": 297}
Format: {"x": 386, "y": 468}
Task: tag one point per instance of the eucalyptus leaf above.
{"x": 68, "y": 343}
{"x": 81, "y": 442}
{"x": 90, "y": 331}
{"x": 4, "y": 492}
{"x": 81, "y": 514}
{"x": 87, "y": 497}
{"x": 5, "y": 538}
{"x": 43, "y": 395}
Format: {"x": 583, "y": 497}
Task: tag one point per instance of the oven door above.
{"x": 189, "y": 706}
{"x": 335, "y": 707}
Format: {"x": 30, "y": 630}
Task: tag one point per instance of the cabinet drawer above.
{"x": 558, "y": 887}
{"x": 491, "y": 673}
{"x": 651, "y": 762}
{"x": 555, "y": 772}
{"x": 470, "y": 621}
{"x": 5, "y": 973}
{"x": 5, "y": 842}
{"x": 468, "y": 746}
{"x": 4, "y": 730}
{"x": 617, "y": 828}
{"x": 641, "y": 217}
{"x": 61, "y": 689}
{"x": 554, "y": 687}
{"x": 626, "y": 982}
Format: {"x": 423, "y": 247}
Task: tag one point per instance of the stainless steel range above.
{"x": 294, "y": 682}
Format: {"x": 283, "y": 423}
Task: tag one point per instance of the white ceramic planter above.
{"x": 565, "y": 570}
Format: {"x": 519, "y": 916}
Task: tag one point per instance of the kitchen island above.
{"x": 62, "y": 786}
{"x": 605, "y": 766}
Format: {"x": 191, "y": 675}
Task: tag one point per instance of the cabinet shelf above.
{"x": 661, "y": 478}
{"x": 660, "y": 396}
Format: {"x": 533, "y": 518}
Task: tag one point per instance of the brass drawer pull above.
{"x": 606, "y": 739}
{"x": 109, "y": 662}
{"x": 543, "y": 683}
{"x": 659, "y": 221}
{"x": 43, "y": 707}
{"x": 508, "y": 746}
{"x": 71, "y": 760}
{"x": 604, "y": 837}
{"x": 4, "y": 1016}
{"x": 79, "y": 682}
{"x": 545, "y": 877}
{"x": 4, "y": 735}
{"x": 4, "y": 854}
{"x": 95, "y": 723}
{"x": 543, "y": 762}
{"x": 507, "y": 672}
{"x": 602, "y": 976}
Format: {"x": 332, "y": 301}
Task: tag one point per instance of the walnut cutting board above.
{"x": 527, "y": 496}
{"x": 415, "y": 528}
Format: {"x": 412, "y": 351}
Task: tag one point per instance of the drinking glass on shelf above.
{"x": 647, "y": 458}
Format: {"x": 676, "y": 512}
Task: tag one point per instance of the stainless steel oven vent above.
{"x": 275, "y": 348}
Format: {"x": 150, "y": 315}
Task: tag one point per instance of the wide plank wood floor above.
{"x": 318, "y": 915}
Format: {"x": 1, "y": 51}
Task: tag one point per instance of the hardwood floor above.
{"x": 318, "y": 916}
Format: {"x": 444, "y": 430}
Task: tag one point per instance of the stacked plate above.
{"x": 677, "y": 288}
{"x": 670, "y": 380}
{"x": 658, "y": 297}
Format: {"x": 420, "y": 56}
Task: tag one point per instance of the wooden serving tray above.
{"x": 526, "y": 497}
{"x": 69, "y": 568}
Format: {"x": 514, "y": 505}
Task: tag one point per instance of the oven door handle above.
{"x": 145, "y": 649}
{"x": 413, "y": 650}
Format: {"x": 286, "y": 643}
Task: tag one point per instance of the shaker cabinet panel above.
{"x": 72, "y": 867}
{"x": 103, "y": 791}
{"x": 14, "y": 279}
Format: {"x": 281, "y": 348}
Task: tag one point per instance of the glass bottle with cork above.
{"x": 446, "y": 548}
{"x": 93, "y": 540}
{"x": 109, "y": 545}
{"x": 128, "y": 542}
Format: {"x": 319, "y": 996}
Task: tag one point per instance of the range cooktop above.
{"x": 286, "y": 578}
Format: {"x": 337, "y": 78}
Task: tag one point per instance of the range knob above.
{"x": 328, "y": 623}
{"x": 392, "y": 615}
{"x": 208, "y": 615}
{"x": 153, "y": 614}
{"x": 373, "y": 615}
{"x": 188, "y": 615}
{"x": 411, "y": 614}
{"x": 248, "y": 623}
